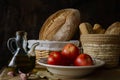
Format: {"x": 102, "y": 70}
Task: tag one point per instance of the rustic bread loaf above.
{"x": 86, "y": 28}
{"x": 97, "y": 28}
{"x": 61, "y": 25}
{"x": 113, "y": 28}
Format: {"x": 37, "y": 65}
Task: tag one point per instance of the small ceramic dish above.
{"x": 70, "y": 71}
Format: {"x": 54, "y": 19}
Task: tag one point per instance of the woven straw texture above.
{"x": 41, "y": 54}
{"x": 101, "y": 46}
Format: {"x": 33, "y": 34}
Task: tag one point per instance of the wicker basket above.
{"x": 102, "y": 46}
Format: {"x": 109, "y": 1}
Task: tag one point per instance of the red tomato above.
{"x": 83, "y": 60}
{"x": 70, "y": 52}
{"x": 55, "y": 58}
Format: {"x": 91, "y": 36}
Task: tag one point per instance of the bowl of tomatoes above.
{"x": 70, "y": 62}
{"x": 70, "y": 71}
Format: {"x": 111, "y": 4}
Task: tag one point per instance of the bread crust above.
{"x": 97, "y": 28}
{"x": 86, "y": 28}
{"x": 61, "y": 25}
{"x": 114, "y": 28}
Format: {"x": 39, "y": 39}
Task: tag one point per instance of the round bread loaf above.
{"x": 113, "y": 28}
{"x": 60, "y": 26}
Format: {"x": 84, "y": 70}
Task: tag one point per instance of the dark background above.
{"x": 29, "y": 15}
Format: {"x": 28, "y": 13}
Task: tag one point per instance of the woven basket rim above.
{"x": 100, "y": 35}
{"x": 100, "y": 38}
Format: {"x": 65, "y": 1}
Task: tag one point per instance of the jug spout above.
{"x": 31, "y": 52}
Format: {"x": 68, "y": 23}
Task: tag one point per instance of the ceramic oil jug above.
{"x": 23, "y": 60}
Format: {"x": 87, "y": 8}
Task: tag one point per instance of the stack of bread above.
{"x": 87, "y": 28}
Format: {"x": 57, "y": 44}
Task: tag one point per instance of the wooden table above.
{"x": 98, "y": 74}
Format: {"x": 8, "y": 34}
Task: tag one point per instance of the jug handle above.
{"x": 10, "y": 45}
